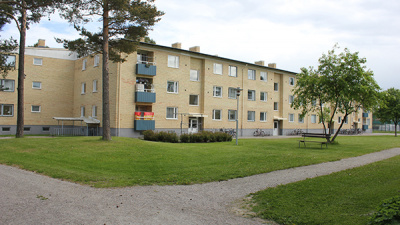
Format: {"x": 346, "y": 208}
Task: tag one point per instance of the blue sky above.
{"x": 290, "y": 33}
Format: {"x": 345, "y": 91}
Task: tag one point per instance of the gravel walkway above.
{"x": 30, "y": 198}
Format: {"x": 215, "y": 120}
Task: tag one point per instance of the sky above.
{"x": 290, "y": 33}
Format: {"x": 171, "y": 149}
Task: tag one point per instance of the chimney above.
{"x": 41, "y": 43}
{"x": 177, "y": 45}
{"x": 261, "y": 63}
{"x": 272, "y": 65}
{"x": 195, "y": 49}
{"x": 141, "y": 39}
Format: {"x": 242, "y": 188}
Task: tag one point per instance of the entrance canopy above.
{"x": 279, "y": 118}
{"x": 196, "y": 115}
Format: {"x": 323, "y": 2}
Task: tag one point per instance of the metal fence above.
{"x": 68, "y": 132}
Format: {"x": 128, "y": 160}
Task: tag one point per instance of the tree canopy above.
{"x": 342, "y": 82}
{"x": 388, "y": 110}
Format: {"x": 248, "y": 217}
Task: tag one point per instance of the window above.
{"x": 27, "y": 129}
{"x": 276, "y": 86}
{"x": 291, "y": 117}
{"x": 172, "y": 86}
{"x": 251, "y": 116}
{"x": 35, "y": 108}
{"x": 37, "y": 61}
{"x": 172, "y": 113}
{"x": 194, "y": 100}
{"x": 301, "y": 119}
{"x": 251, "y": 74}
{"x": 36, "y": 85}
{"x": 339, "y": 119}
{"x": 263, "y": 116}
{"x": 217, "y": 68}
{"x": 82, "y": 111}
{"x": 6, "y": 110}
{"x": 217, "y": 91}
{"x": 96, "y": 60}
{"x": 233, "y": 71}
{"x": 251, "y": 95}
{"x": 264, "y": 76}
{"x": 291, "y": 99}
{"x": 83, "y": 88}
{"x": 9, "y": 60}
{"x": 6, "y": 129}
{"x": 276, "y": 106}
{"x": 345, "y": 120}
{"x": 263, "y": 96}
{"x": 7, "y": 85}
{"x": 217, "y": 114}
{"x": 232, "y": 115}
{"x": 194, "y": 75}
{"x": 232, "y": 93}
{"x": 313, "y": 118}
{"x": 84, "y": 62}
{"x": 94, "y": 111}
{"x": 291, "y": 81}
{"x": 94, "y": 85}
{"x": 46, "y": 129}
{"x": 173, "y": 61}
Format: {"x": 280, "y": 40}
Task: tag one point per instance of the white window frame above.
{"x": 339, "y": 119}
{"x": 251, "y": 116}
{"x": 291, "y": 81}
{"x": 230, "y": 111}
{"x": 83, "y": 88}
{"x": 36, "y": 82}
{"x": 301, "y": 118}
{"x": 37, "y": 61}
{"x": 83, "y": 111}
{"x": 96, "y": 61}
{"x": 291, "y": 117}
{"x": 233, "y": 71}
{"x": 2, "y": 110}
{"x": 265, "y": 99}
{"x": 84, "y": 64}
{"x": 276, "y": 86}
{"x": 194, "y": 75}
{"x": 291, "y": 99}
{"x": 175, "y": 85}
{"x": 313, "y": 118}
{"x": 276, "y": 106}
{"x": 94, "y": 86}
{"x": 3, "y": 84}
{"x": 94, "y": 111}
{"x": 346, "y": 121}
{"x": 215, "y": 92}
{"x": 214, "y": 113}
{"x": 174, "y": 114}
{"x": 265, "y": 116}
{"x": 218, "y": 68}
{"x": 36, "y": 111}
{"x": 252, "y": 96}
{"x": 231, "y": 91}
{"x": 173, "y": 61}
{"x": 251, "y": 74}
{"x": 195, "y": 99}
{"x": 263, "y": 76}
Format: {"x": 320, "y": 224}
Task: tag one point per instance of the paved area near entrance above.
{"x": 30, "y": 198}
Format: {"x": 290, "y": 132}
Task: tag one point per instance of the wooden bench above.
{"x": 315, "y": 135}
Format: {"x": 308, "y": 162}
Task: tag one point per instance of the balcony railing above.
{"x": 144, "y": 121}
{"x": 144, "y": 95}
{"x": 365, "y": 115}
{"x": 146, "y": 69}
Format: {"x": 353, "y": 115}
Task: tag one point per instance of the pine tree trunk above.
{"x": 21, "y": 76}
{"x": 106, "y": 78}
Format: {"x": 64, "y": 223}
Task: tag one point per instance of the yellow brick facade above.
{"x": 67, "y": 86}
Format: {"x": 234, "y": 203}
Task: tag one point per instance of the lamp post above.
{"x": 238, "y": 90}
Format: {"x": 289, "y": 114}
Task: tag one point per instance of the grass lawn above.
{"x": 127, "y": 161}
{"x": 347, "y": 197}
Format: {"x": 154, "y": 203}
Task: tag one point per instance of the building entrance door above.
{"x": 276, "y": 128}
{"x": 193, "y": 125}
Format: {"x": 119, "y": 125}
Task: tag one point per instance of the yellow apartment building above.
{"x": 159, "y": 88}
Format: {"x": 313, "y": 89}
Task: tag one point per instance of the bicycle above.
{"x": 259, "y": 132}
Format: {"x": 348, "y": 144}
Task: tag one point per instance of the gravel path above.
{"x": 30, "y": 198}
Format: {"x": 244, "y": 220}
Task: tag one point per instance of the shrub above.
{"x": 388, "y": 212}
{"x": 149, "y": 135}
{"x": 204, "y": 136}
{"x": 185, "y": 138}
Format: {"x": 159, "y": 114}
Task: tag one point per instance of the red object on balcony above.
{"x": 138, "y": 115}
{"x": 148, "y": 115}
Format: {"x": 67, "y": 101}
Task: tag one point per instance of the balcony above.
{"x": 365, "y": 127}
{"x": 146, "y": 69}
{"x": 144, "y": 121}
{"x": 365, "y": 115}
{"x": 144, "y": 95}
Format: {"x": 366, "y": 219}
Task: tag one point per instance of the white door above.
{"x": 193, "y": 125}
{"x": 276, "y": 128}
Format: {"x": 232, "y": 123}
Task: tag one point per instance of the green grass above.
{"x": 128, "y": 162}
{"x": 347, "y": 197}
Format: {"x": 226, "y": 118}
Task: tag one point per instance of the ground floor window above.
{"x": 172, "y": 113}
{"x": 217, "y": 114}
{"x": 231, "y": 115}
{"x": 291, "y": 117}
{"x": 251, "y": 116}
{"x": 313, "y": 118}
{"x": 6, "y": 110}
{"x": 263, "y": 116}
{"x": 301, "y": 118}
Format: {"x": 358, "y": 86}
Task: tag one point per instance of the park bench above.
{"x": 315, "y": 135}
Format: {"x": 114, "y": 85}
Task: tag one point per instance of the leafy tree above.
{"x": 23, "y": 13}
{"x": 388, "y": 110}
{"x": 7, "y": 46}
{"x": 124, "y": 22}
{"x": 341, "y": 81}
{"x": 149, "y": 40}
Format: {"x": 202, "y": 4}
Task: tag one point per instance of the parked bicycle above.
{"x": 259, "y": 132}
